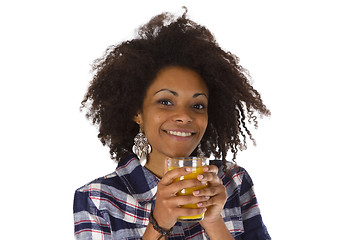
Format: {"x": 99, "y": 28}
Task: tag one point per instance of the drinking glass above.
{"x": 196, "y": 164}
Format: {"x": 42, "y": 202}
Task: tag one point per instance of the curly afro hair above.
{"x": 123, "y": 75}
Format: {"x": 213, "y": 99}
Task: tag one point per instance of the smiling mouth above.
{"x": 179, "y": 134}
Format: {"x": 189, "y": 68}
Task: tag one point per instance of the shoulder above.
{"x": 114, "y": 180}
{"x": 107, "y": 180}
{"x": 87, "y": 202}
{"x": 96, "y": 188}
{"x": 108, "y": 188}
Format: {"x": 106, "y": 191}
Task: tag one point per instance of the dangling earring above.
{"x": 141, "y": 147}
{"x": 200, "y": 153}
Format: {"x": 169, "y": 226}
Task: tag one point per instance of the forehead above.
{"x": 178, "y": 79}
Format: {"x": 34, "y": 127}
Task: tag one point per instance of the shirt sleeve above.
{"x": 89, "y": 224}
{"x": 254, "y": 228}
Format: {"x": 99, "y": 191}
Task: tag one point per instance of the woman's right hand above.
{"x": 168, "y": 204}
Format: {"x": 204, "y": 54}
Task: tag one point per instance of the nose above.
{"x": 182, "y": 116}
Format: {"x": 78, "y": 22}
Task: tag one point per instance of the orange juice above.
{"x": 189, "y": 191}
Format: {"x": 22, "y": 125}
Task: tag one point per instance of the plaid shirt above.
{"x": 118, "y": 205}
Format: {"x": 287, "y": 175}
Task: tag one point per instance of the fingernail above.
{"x": 199, "y": 177}
{"x": 204, "y": 209}
{"x": 200, "y": 204}
{"x": 196, "y": 192}
{"x": 203, "y": 181}
{"x": 188, "y": 169}
{"x": 207, "y": 197}
{"x": 205, "y": 169}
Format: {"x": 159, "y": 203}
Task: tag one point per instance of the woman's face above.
{"x": 174, "y": 116}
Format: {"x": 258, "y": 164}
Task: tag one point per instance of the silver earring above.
{"x": 200, "y": 153}
{"x": 141, "y": 147}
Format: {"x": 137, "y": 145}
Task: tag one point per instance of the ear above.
{"x": 138, "y": 118}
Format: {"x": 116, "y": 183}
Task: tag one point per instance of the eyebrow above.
{"x": 176, "y": 94}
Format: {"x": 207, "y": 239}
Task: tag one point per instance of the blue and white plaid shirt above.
{"x": 118, "y": 205}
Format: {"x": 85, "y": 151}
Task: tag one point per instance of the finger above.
{"x": 175, "y": 187}
{"x": 190, "y": 211}
{"x": 188, "y": 183}
{"x": 171, "y": 175}
{"x": 187, "y": 199}
{"x": 209, "y": 177}
{"x": 211, "y": 168}
{"x": 209, "y": 174}
{"x": 210, "y": 191}
{"x": 216, "y": 200}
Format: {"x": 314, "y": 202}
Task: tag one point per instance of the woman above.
{"x": 170, "y": 92}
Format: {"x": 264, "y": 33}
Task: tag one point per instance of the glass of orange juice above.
{"x": 196, "y": 164}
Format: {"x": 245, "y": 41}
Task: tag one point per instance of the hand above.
{"x": 215, "y": 190}
{"x": 168, "y": 204}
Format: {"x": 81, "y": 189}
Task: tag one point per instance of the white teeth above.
{"x": 180, "y": 134}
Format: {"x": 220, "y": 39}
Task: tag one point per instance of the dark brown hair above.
{"x": 123, "y": 75}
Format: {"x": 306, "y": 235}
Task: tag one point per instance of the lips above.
{"x": 179, "y": 133}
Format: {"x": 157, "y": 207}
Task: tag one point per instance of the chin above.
{"x": 180, "y": 154}
{"x": 176, "y": 150}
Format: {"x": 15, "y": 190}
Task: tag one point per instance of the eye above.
{"x": 199, "y": 106}
{"x": 165, "y": 102}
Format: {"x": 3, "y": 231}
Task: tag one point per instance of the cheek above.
{"x": 152, "y": 123}
{"x": 202, "y": 123}
{"x": 205, "y": 120}
{"x": 156, "y": 121}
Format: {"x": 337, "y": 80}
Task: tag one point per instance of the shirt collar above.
{"x": 139, "y": 181}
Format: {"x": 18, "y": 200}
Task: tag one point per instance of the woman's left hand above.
{"x": 215, "y": 190}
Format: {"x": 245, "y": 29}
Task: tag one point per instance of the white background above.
{"x": 304, "y": 60}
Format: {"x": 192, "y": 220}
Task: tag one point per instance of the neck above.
{"x": 156, "y": 165}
